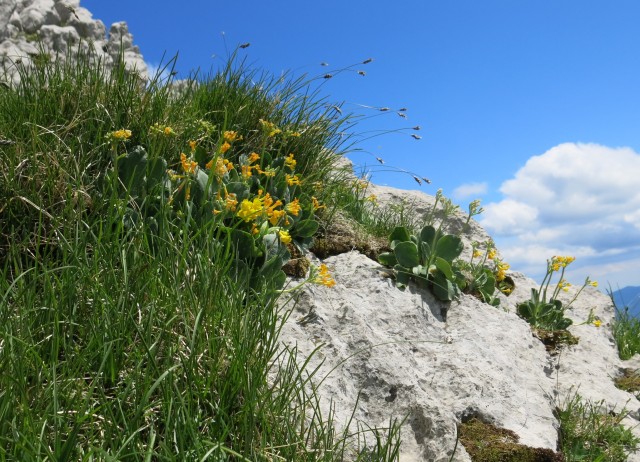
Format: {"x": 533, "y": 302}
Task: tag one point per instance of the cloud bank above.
{"x": 469, "y": 190}
{"x": 575, "y": 199}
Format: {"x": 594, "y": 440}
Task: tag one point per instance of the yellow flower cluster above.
{"x": 285, "y": 237}
{"x": 560, "y": 262}
{"x": 292, "y": 180}
{"x": 231, "y": 136}
{"x": 120, "y": 135}
{"x": 269, "y": 128}
{"x": 324, "y": 277}
{"x": 316, "y": 204}
{"x": 265, "y": 207}
{"x": 290, "y": 161}
{"x": 162, "y": 130}
{"x": 564, "y": 285}
{"x": 188, "y": 165}
{"x": 502, "y": 271}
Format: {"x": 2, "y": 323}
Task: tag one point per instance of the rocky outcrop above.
{"x": 29, "y": 28}
{"x": 391, "y": 354}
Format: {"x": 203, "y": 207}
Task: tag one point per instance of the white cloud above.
{"x": 469, "y": 190}
{"x": 575, "y": 199}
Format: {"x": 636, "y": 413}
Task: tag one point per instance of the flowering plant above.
{"x": 548, "y": 314}
{"x": 254, "y": 201}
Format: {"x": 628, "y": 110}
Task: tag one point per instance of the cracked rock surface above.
{"x": 57, "y": 27}
{"x": 393, "y": 354}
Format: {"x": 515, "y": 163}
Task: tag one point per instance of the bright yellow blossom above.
{"x": 290, "y": 162}
{"x": 324, "y": 277}
{"x": 121, "y": 135}
{"x": 492, "y": 254}
{"x": 231, "y": 136}
{"x": 253, "y": 157}
{"x": 231, "y": 202}
{"x": 285, "y": 237}
{"x": 292, "y": 179}
{"x": 168, "y": 131}
{"x": 225, "y": 147}
{"x": 269, "y": 128}
{"x": 597, "y": 323}
{"x": 293, "y": 207}
{"x": 250, "y": 210}
{"x": 192, "y": 145}
{"x": 593, "y": 283}
{"x": 316, "y": 204}
{"x": 246, "y": 171}
{"x": 188, "y": 165}
{"x": 477, "y": 253}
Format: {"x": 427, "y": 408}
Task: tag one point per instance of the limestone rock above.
{"x": 59, "y": 27}
{"x": 385, "y": 354}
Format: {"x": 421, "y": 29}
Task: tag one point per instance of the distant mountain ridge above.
{"x": 628, "y": 297}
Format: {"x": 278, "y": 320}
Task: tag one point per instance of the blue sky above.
{"x": 532, "y": 106}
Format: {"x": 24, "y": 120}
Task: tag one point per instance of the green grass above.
{"x": 125, "y": 338}
{"x": 589, "y": 433}
{"x": 626, "y": 332}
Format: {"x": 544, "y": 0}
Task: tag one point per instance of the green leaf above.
{"x": 387, "y": 259}
{"x": 443, "y": 288}
{"x": 402, "y": 276}
{"x": 449, "y": 247}
{"x": 428, "y": 235}
{"x": 444, "y": 266}
{"x": 407, "y": 254}
{"x": 399, "y": 233}
{"x": 132, "y": 170}
{"x": 157, "y": 172}
{"x": 305, "y": 228}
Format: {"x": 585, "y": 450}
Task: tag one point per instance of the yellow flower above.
{"x": 192, "y": 145}
{"x": 593, "y": 283}
{"x": 597, "y": 323}
{"x": 246, "y": 171}
{"x": 253, "y": 157}
{"x": 316, "y": 204}
{"x": 502, "y": 270}
{"x": 492, "y": 254}
{"x": 275, "y": 216}
{"x": 231, "y": 202}
{"x": 477, "y": 253}
{"x": 285, "y": 237}
{"x": 225, "y": 147}
{"x": 250, "y": 210}
{"x": 293, "y": 207}
{"x": 188, "y": 166}
{"x": 168, "y": 131}
{"x": 290, "y": 162}
{"x": 121, "y": 135}
{"x": 324, "y": 277}
{"x": 231, "y": 136}
{"x": 292, "y": 180}
{"x": 269, "y": 128}
{"x": 372, "y": 198}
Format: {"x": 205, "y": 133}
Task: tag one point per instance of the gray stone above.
{"x": 60, "y": 27}
{"x": 383, "y": 353}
